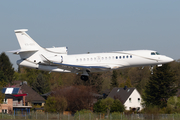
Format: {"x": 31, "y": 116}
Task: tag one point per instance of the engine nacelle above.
{"x": 84, "y": 77}
{"x": 60, "y": 50}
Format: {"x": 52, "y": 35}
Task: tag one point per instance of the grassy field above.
{"x": 89, "y": 116}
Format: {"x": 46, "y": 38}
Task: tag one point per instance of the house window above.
{"x": 4, "y": 111}
{"x": 5, "y": 101}
{"x": 139, "y": 100}
{"x": 19, "y": 100}
{"x": 130, "y": 100}
{"x": 129, "y": 108}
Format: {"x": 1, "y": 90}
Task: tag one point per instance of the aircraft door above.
{"x": 98, "y": 59}
{"x": 61, "y": 59}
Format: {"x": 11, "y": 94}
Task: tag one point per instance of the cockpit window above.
{"x": 157, "y": 53}
{"x": 153, "y": 53}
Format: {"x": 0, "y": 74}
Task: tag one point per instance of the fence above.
{"x": 89, "y": 116}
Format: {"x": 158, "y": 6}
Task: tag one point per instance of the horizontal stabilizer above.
{"x": 21, "y": 50}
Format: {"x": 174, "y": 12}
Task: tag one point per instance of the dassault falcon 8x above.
{"x": 56, "y": 59}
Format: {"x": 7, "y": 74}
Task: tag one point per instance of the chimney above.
{"x": 125, "y": 87}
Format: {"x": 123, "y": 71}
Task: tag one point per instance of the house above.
{"x": 14, "y": 101}
{"x": 32, "y": 98}
{"x": 129, "y": 97}
{"x": 20, "y": 97}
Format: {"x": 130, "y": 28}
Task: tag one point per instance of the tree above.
{"x": 114, "y": 82}
{"x": 99, "y": 107}
{"x": 3, "y": 79}
{"x": 174, "y": 102}
{"x": 108, "y": 102}
{"x": 2, "y": 96}
{"x": 41, "y": 85}
{"x": 6, "y": 67}
{"x": 95, "y": 81}
{"x": 55, "y": 104}
{"x": 117, "y": 106}
{"x": 160, "y": 87}
{"x": 78, "y": 97}
{"x": 127, "y": 83}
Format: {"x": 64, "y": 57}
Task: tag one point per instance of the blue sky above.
{"x": 93, "y": 26}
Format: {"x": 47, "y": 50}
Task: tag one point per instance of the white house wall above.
{"x": 134, "y": 102}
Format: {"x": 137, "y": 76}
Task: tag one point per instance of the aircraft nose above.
{"x": 168, "y": 59}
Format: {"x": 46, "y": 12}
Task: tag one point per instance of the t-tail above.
{"x": 25, "y": 41}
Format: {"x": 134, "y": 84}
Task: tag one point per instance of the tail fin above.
{"x": 25, "y": 41}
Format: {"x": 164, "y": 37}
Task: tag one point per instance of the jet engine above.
{"x": 84, "y": 77}
{"x": 60, "y": 50}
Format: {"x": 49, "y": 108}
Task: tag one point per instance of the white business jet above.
{"x": 56, "y": 59}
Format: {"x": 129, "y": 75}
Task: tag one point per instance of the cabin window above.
{"x": 102, "y": 58}
{"x": 77, "y": 60}
{"x": 106, "y": 58}
{"x": 87, "y": 59}
{"x": 119, "y": 57}
{"x": 116, "y": 57}
{"x": 130, "y": 56}
{"x": 94, "y": 58}
{"x": 123, "y": 56}
{"x": 80, "y": 59}
{"x": 112, "y": 57}
{"x": 130, "y": 100}
{"x": 127, "y": 56}
{"x": 109, "y": 57}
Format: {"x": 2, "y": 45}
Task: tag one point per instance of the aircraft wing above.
{"x": 91, "y": 68}
{"x": 76, "y": 68}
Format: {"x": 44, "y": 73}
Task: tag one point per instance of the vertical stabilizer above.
{"x": 25, "y": 41}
